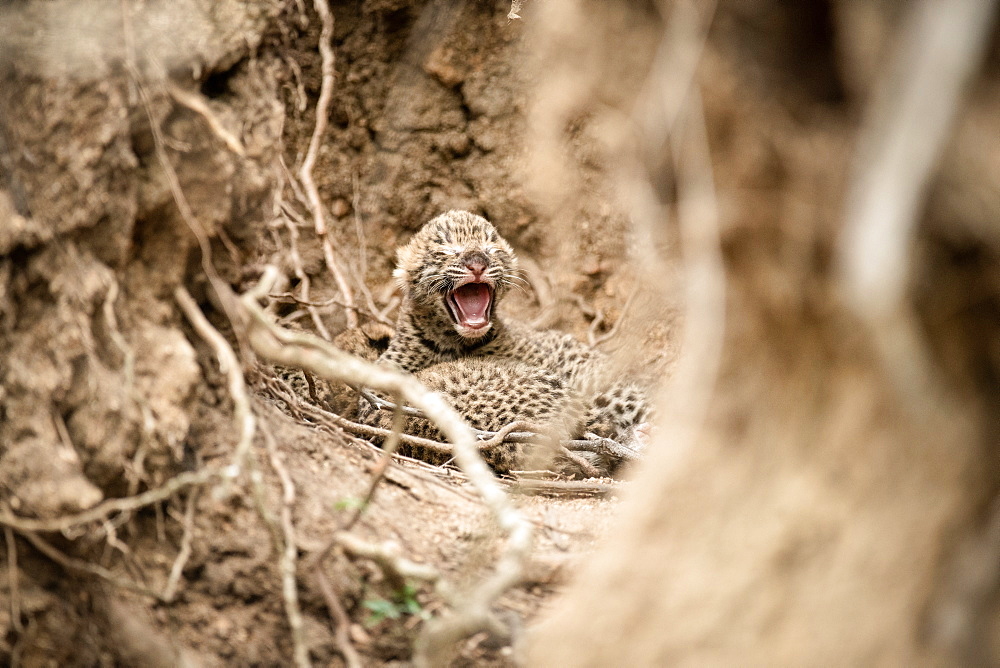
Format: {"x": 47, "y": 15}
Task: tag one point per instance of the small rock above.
{"x": 222, "y": 627}
{"x": 358, "y": 635}
{"x": 439, "y": 66}
{"x": 592, "y": 265}
{"x": 340, "y": 207}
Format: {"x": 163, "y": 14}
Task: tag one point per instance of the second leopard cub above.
{"x": 453, "y": 274}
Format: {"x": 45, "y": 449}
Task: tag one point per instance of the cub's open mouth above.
{"x": 470, "y": 305}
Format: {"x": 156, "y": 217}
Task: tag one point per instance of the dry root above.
{"x": 315, "y": 356}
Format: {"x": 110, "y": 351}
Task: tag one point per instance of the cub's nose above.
{"x": 476, "y": 263}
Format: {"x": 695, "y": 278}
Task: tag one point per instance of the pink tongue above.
{"x": 473, "y": 301}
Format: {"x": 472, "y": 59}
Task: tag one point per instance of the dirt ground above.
{"x": 150, "y": 146}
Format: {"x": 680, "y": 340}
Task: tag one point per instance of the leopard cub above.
{"x": 453, "y": 274}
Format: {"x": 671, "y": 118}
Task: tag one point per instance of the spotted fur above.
{"x": 367, "y": 342}
{"x": 470, "y": 385}
{"x": 427, "y": 342}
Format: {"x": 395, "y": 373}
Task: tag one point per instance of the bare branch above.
{"x": 669, "y": 118}
{"x": 316, "y": 356}
{"x": 230, "y": 366}
{"x": 565, "y": 487}
{"x": 304, "y": 283}
{"x": 322, "y": 111}
{"x": 119, "y": 505}
{"x": 388, "y": 557}
{"x": 905, "y": 132}
{"x": 305, "y": 172}
{"x": 595, "y": 339}
{"x": 588, "y": 469}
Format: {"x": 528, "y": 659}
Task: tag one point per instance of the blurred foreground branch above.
{"x": 905, "y": 131}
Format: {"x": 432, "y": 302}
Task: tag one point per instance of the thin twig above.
{"x": 184, "y": 208}
{"x": 170, "y": 590}
{"x": 322, "y": 111}
{"x": 660, "y": 104}
{"x": 670, "y": 102}
{"x": 350, "y": 308}
{"x": 12, "y": 581}
{"x": 72, "y": 563}
{"x": 378, "y": 403}
{"x": 305, "y": 172}
{"x": 112, "y": 542}
{"x": 389, "y": 559}
{"x": 114, "y": 331}
{"x": 290, "y": 297}
{"x": 597, "y": 339}
{"x": 230, "y": 366}
{"x": 393, "y": 302}
{"x": 693, "y": 383}
{"x": 586, "y": 467}
{"x": 362, "y": 248}
{"x": 518, "y": 431}
{"x": 908, "y": 125}
{"x": 391, "y": 444}
{"x": 197, "y": 104}
{"x": 128, "y": 39}
{"x": 446, "y": 478}
{"x": 293, "y": 234}
{"x": 341, "y": 621}
{"x": 126, "y": 504}
{"x": 565, "y": 487}
{"x": 289, "y": 553}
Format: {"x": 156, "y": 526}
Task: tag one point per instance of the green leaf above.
{"x": 380, "y": 609}
{"x": 349, "y": 503}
